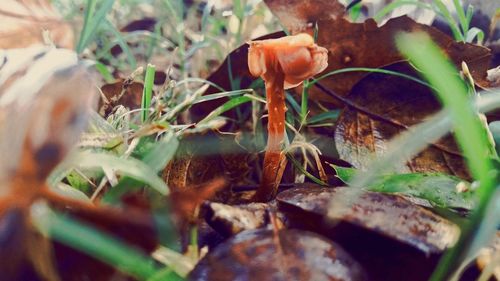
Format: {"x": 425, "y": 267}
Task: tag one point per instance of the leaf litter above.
{"x": 201, "y": 182}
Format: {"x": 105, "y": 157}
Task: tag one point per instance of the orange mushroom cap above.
{"x": 297, "y": 56}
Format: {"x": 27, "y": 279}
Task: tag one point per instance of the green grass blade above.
{"x": 122, "y": 43}
{"x": 92, "y": 21}
{"x": 367, "y": 69}
{"x": 329, "y": 115}
{"x": 473, "y": 33}
{"x": 399, "y": 3}
{"x": 199, "y": 80}
{"x": 469, "y": 133}
{"x": 304, "y": 106}
{"x": 464, "y": 23}
{"x": 103, "y": 70}
{"x": 437, "y": 189}
{"x": 449, "y": 19}
{"x": 299, "y": 166}
{"x": 470, "y": 13}
{"x": 89, "y": 12}
{"x": 293, "y": 103}
{"x": 453, "y": 93}
{"x": 225, "y": 107}
{"x": 94, "y": 243}
{"x": 147, "y": 92}
{"x": 222, "y": 95}
{"x": 409, "y": 143}
{"x": 131, "y": 167}
{"x": 162, "y": 152}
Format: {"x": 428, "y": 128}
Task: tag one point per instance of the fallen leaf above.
{"x": 285, "y": 255}
{"x": 124, "y": 92}
{"x": 391, "y": 237}
{"x": 41, "y": 119}
{"x": 185, "y": 202}
{"x": 202, "y": 158}
{"x": 22, "y": 23}
{"x": 45, "y": 98}
{"x": 382, "y": 106}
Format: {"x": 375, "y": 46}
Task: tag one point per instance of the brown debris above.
{"x": 124, "y": 92}
{"x": 291, "y": 255}
{"x": 383, "y": 107}
{"x": 392, "y": 238}
{"x": 230, "y": 220}
{"x": 22, "y": 24}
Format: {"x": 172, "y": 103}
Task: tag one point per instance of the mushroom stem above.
{"x": 276, "y": 132}
{"x": 282, "y": 63}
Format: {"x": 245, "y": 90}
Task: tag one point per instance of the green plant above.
{"x": 98, "y": 244}
{"x": 93, "y": 18}
{"x": 469, "y": 132}
{"x": 148, "y": 90}
{"x": 460, "y": 27}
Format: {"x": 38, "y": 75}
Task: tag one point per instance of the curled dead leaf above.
{"x": 283, "y": 255}
{"x": 391, "y": 237}
{"x": 205, "y": 157}
{"x": 382, "y": 106}
{"x": 125, "y": 92}
{"x": 22, "y": 24}
{"x": 41, "y": 119}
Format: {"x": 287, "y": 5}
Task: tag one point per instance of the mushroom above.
{"x": 282, "y": 63}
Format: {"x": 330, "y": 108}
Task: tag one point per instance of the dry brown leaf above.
{"x": 186, "y": 202}
{"x": 285, "y": 255}
{"x": 124, "y": 92}
{"x": 42, "y": 121}
{"x": 301, "y": 15}
{"x": 202, "y": 158}
{"x": 391, "y": 237}
{"x": 45, "y": 97}
{"x": 22, "y": 23}
{"x": 384, "y": 106}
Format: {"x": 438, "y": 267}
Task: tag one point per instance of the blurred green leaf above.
{"x": 439, "y": 189}
{"x": 96, "y": 243}
{"x": 70, "y": 192}
{"x": 332, "y": 115}
{"x": 161, "y": 152}
{"x": 125, "y": 166}
{"x": 147, "y": 92}
{"x": 225, "y": 107}
{"x": 93, "y": 19}
{"x": 78, "y": 182}
{"x": 470, "y": 134}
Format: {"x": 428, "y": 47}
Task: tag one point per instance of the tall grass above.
{"x": 92, "y": 20}
{"x": 98, "y": 244}
{"x": 469, "y": 133}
